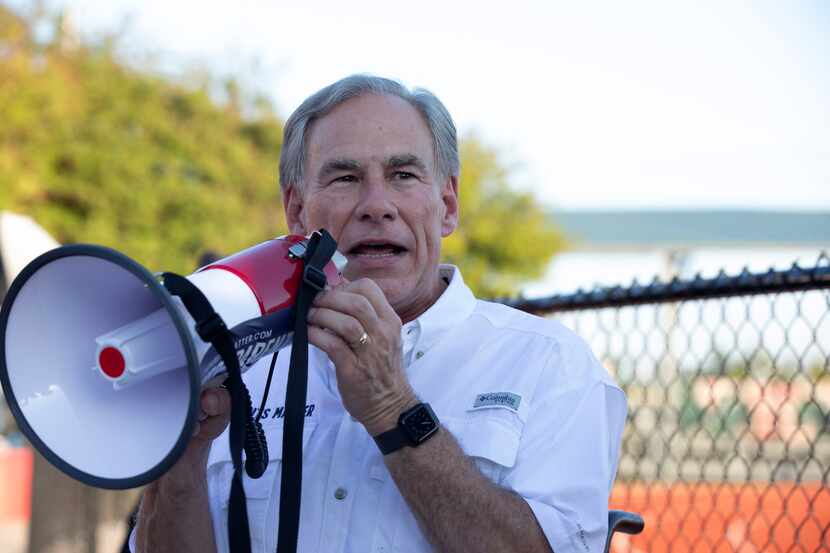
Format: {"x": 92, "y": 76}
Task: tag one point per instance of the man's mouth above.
{"x": 376, "y": 249}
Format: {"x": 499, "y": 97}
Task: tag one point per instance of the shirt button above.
{"x": 419, "y": 355}
{"x": 340, "y": 494}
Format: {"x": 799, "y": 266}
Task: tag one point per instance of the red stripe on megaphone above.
{"x": 270, "y": 273}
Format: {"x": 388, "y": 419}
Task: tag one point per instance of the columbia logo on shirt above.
{"x": 498, "y": 399}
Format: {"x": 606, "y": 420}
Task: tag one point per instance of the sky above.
{"x": 605, "y": 105}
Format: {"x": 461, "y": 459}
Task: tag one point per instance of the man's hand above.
{"x": 174, "y": 514}
{"x": 214, "y": 415}
{"x": 370, "y": 376}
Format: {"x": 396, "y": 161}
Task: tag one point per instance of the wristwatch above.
{"x": 415, "y": 426}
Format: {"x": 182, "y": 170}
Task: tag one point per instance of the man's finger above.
{"x": 333, "y": 345}
{"x": 348, "y": 328}
{"x": 353, "y": 304}
{"x": 369, "y": 289}
{"x": 215, "y": 401}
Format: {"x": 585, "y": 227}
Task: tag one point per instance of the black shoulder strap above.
{"x": 321, "y": 246}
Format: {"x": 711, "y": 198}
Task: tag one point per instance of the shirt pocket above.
{"x": 491, "y": 438}
{"x": 261, "y": 494}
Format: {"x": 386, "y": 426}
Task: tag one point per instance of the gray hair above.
{"x": 436, "y": 116}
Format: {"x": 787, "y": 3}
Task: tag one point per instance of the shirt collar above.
{"x": 453, "y": 306}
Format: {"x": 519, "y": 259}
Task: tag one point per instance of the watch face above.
{"x": 420, "y": 423}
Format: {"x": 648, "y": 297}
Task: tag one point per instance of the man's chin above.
{"x": 360, "y": 268}
{"x": 391, "y": 286}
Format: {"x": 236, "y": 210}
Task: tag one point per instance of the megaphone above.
{"x": 102, "y": 366}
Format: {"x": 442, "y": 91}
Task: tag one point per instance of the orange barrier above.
{"x": 696, "y": 517}
{"x": 725, "y": 517}
{"x": 15, "y": 484}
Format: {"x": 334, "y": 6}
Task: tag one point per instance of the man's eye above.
{"x": 404, "y": 175}
{"x": 345, "y": 179}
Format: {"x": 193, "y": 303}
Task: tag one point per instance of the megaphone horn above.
{"x": 102, "y": 366}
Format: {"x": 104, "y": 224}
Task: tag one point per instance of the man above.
{"x": 528, "y": 422}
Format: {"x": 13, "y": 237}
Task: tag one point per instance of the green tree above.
{"x": 504, "y": 238}
{"x": 100, "y": 152}
{"x": 97, "y": 151}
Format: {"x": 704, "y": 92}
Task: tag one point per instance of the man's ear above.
{"x": 449, "y": 196}
{"x": 292, "y": 203}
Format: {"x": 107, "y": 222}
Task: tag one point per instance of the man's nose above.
{"x": 376, "y": 202}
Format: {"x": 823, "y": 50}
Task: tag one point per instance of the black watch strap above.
{"x": 391, "y": 440}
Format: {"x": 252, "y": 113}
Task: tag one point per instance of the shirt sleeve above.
{"x": 569, "y": 450}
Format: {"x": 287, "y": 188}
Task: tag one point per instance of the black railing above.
{"x": 746, "y": 283}
{"x": 727, "y": 446}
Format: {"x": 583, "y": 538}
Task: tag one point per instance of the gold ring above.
{"x": 363, "y": 339}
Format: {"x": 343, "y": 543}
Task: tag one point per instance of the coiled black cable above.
{"x": 256, "y": 447}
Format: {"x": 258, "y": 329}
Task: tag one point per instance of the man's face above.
{"x": 371, "y": 181}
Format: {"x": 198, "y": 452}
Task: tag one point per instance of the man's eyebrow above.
{"x": 339, "y": 164}
{"x": 404, "y": 160}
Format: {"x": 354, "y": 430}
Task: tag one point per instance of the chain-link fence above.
{"x": 727, "y": 446}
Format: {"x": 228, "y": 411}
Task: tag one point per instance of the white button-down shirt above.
{"x": 524, "y": 397}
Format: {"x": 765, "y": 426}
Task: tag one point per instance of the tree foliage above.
{"x": 98, "y": 151}
{"x": 504, "y": 239}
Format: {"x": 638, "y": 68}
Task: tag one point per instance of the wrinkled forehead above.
{"x": 369, "y": 129}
